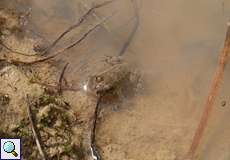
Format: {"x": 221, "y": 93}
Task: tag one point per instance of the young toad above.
{"x": 109, "y": 79}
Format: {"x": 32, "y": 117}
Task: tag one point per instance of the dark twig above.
{"x": 134, "y": 30}
{"x": 61, "y": 79}
{"x": 14, "y": 51}
{"x": 17, "y": 62}
{"x": 94, "y": 151}
{"x": 35, "y": 130}
{"x": 86, "y": 34}
{"x": 215, "y": 86}
{"x": 80, "y": 21}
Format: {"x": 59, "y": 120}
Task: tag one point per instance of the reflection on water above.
{"x": 176, "y": 47}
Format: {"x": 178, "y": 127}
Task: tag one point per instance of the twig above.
{"x": 18, "y": 62}
{"x": 23, "y": 16}
{"x": 35, "y": 130}
{"x": 86, "y": 34}
{"x": 80, "y": 21}
{"x": 134, "y": 30}
{"x": 106, "y": 26}
{"x": 94, "y": 151}
{"x": 94, "y": 14}
{"x": 16, "y": 52}
{"x": 215, "y": 86}
{"x": 61, "y": 79}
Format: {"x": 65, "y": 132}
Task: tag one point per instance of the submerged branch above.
{"x": 215, "y": 86}
{"x": 133, "y": 32}
{"x": 94, "y": 151}
{"x": 80, "y": 21}
{"x": 18, "y": 62}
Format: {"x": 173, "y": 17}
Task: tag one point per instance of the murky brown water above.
{"x": 177, "y": 48}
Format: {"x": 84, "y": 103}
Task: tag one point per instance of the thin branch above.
{"x": 16, "y": 52}
{"x": 134, "y": 30}
{"x": 61, "y": 78}
{"x": 86, "y": 34}
{"x": 80, "y": 21}
{"x": 18, "y": 62}
{"x": 35, "y": 130}
{"x": 94, "y": 14}
{"x": 215, "y": 86}
{"x": 94, "y": 151}
{"x": 13, "y": 50}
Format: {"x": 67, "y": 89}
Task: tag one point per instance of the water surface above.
{"x": 176, "y": 48}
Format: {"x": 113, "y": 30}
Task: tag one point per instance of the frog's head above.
{"x": 97, "y": 84}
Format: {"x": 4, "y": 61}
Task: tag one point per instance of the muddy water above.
{"x": 176, "y": 48}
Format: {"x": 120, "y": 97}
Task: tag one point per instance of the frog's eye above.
{"x": 99, "y": 79}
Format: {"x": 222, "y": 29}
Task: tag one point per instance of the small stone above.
{"x": 223, "y": 103}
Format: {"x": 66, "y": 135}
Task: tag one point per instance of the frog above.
{"x": 110, "y": 78}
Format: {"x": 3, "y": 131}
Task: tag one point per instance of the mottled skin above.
{"x": 110, "y": 78}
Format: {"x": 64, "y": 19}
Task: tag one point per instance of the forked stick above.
{"x": 80, "y": 21}
{"x": 18, "y": 62}
{"x": 215, "y": 86}
{"x": 77, "y": 24}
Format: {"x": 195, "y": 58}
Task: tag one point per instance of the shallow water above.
{"x": 176, "y": 48}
